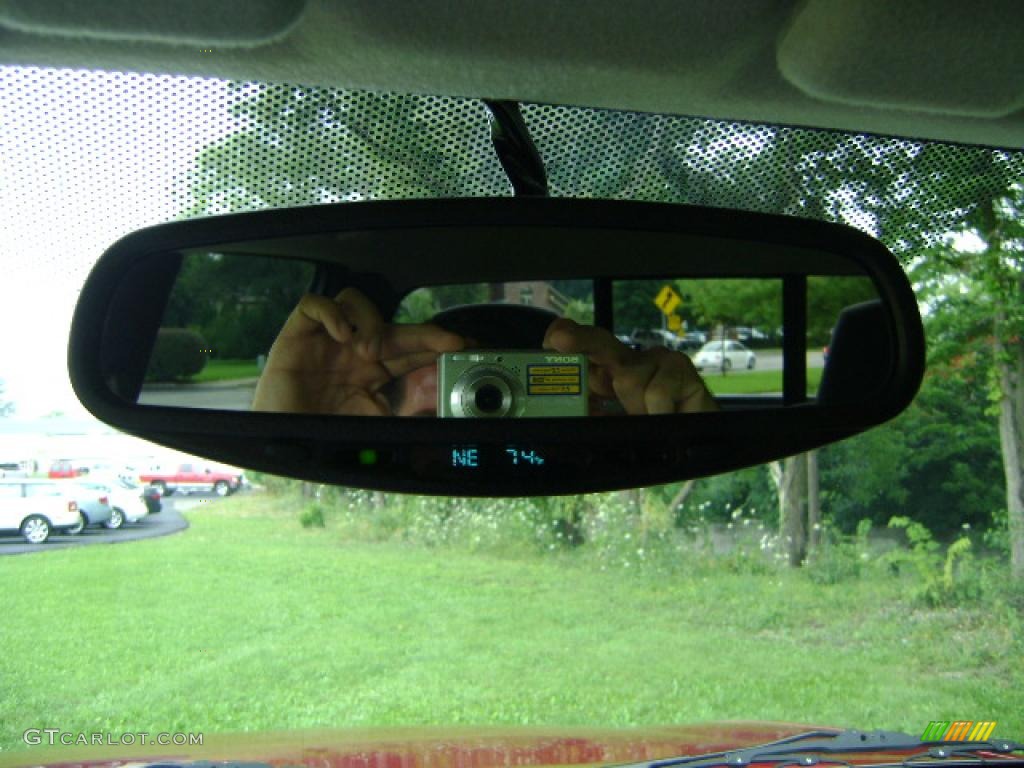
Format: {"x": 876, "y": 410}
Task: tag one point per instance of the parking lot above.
{"x": 169, "y": 520}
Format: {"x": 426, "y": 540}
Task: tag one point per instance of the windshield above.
{"x": 867, "y": 584}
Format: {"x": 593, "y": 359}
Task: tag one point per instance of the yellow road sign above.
{"x": 667, "y": 300}
{"x": 675, "y": 322}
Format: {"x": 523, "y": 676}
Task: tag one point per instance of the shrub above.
{"x": 275, "y": 483}
{"x": 839, "y": 558}
{"x": 944, "y": 579}
{"x": 500, "y": 526}
{"x": 312, "y": 516}
{"x": 178, "y": 353}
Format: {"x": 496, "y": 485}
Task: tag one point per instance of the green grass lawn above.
{"x": 247, "y": 622}
{"x": 227, "y": 370}
{"x": 755, "y": 382}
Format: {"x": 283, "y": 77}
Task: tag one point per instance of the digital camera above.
{"x": 511, "y": 384}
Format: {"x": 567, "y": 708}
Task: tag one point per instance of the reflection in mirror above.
{"x": 223, "y": 314}
{"x": 735, "y": 326}
{"x": 245, "y": 332}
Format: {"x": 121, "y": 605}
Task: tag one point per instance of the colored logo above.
{"x": 958, "y": 730}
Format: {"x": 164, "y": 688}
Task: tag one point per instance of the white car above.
{"x": 35, "y": 509}
{"x": 724, "y": 356}
{"x": 127, "y": 502}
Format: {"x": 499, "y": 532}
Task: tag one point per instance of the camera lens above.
{"x": 486, "y": 391}
{"x": 488, "y": 398}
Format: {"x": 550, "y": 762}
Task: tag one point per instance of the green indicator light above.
{"x": 367, "y": 456}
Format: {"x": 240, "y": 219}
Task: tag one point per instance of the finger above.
{"x": 366, "y": 323}
{"x": 599, "y": 381}
{"x": 664, "y": 390}
{"x": 605, "y": 406}
{"x": 600, "y": 346}
{"x": 409, "y": 339}
{"x": 693, "y": 395}
{"x": 314, "y": 312}
{"x": 697, "y": 398}
{"x": 400, "y": 366}
{"x": 362, "y": 403}
{"x": 630, "y": 383}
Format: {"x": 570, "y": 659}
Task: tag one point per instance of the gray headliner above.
{"x": 935, "y": 69}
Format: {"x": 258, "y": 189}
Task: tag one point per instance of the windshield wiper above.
{"x": 817, "y": 747}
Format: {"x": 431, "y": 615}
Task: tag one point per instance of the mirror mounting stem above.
{"x": 516, "y": 151}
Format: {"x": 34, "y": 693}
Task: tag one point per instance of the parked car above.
{"x": 65, "y": 468}
{"x": 34, "y": 509}
{"x": 751, "y": 334}
{"x": 648, "y": 338}
{"x": 189, "y": 478}
{"x": 152, "y": 497}
{"x": 724, "y": 355}
{"x": 128, "y": 502}
{"x": 692, "y": 340}
{"x": 94, "y": 506}
{"x": 14, "y": 469}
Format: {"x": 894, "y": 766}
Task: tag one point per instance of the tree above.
{"x": 633, "y": 305}
{"x": 236, "y": 303}
{"x": 315, "y": 144}
{"x": 938, "y": 462}
{"x": 813, "y": 502}
{"x": 827, "y": 297}
{"x": 790, "y": 476}
{"x": 975, "y": 283}
{"x": 739, "y": 302}
{"x": 914, "y": 197}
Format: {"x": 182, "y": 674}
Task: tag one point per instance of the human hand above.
{"x": 652, "y": 381}
{"x": 337, "y": 355}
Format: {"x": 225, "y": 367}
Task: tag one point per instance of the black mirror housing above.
{"x": 393, "y": 247}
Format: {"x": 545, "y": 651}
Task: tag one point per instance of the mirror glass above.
{"x": 238, "y": 334}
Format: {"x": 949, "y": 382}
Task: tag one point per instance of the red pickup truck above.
{"x": 188, "y": 478}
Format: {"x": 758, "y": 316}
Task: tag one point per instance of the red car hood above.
{"x": 423, "y": 747}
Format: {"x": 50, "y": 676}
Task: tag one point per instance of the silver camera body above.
{"x": 511, "y": 384}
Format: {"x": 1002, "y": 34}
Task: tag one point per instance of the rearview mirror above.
{"x": 219, "y": 337}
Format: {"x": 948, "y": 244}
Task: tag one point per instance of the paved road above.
{"x": 168, "y": 520}
{"x": 771, "y": 360}
{"x": 221, "y": 396}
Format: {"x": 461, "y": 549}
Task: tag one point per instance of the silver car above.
{"x": 125, "y": 496}
{"x": 93, "y": 504}
{"x": 653, "y": 337}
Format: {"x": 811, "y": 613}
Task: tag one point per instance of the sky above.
{"x": 85, "y": 158}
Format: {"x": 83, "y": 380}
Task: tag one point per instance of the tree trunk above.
{"x": 1010, "y": 373}
{"x": 790, "y": 476}
{"x": 813, "y": 503}
{"x": 1008, "y": 349}
{"x": 681, "y": 496}
{"x": 633, "y": 498}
